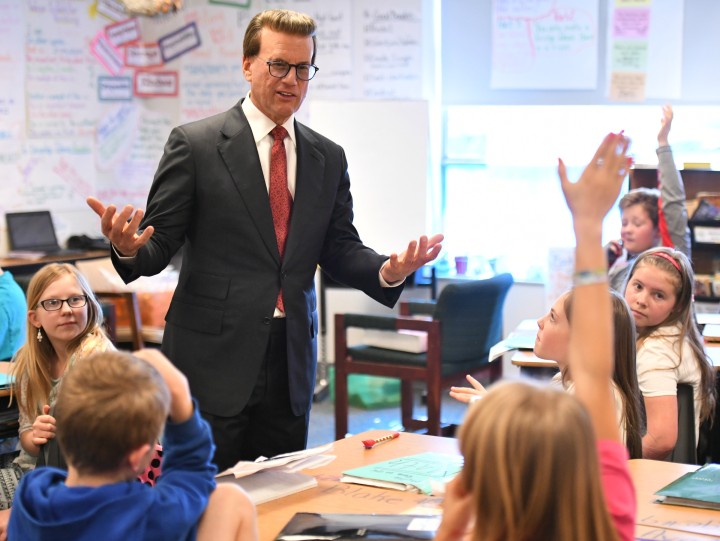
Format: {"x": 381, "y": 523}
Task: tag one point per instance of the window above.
{"x": 501, "y": 200}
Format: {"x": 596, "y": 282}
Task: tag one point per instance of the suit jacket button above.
{"x": 266, "y": 320}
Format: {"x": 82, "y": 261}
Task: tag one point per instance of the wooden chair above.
{"x": 462, "y": 325}
{"x": 131, "y": 307}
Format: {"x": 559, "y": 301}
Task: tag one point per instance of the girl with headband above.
{"x": 670, "y": 349}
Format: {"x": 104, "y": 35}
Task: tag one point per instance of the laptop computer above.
{"x": 34, "y": 232}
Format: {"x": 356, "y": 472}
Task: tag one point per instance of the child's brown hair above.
{"x": 110, "y": 404}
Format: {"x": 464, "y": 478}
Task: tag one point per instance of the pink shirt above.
{"x": 618, "y": 487}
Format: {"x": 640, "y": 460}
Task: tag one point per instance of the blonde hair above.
{"x": 682, "y": 278}
{"x": 111, "y": 403}
{"x": 278, "y": 20}
{"x": 531, "y": 466}
{"x": 32, "y": 360}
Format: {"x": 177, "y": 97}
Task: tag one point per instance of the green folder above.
{"x": 412, "y": 473}
{"x": 700, "y": 488}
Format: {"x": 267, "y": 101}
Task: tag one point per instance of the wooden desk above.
{"x": 672, "y": 522}
{"x": 654, "y": 521}
{"x": 332, "y": 496}
{"x": 4, "y": 369}
{"x": 29, "y": 266}
{"x": 533, "y": 366}
{"x": 527, "y": 359}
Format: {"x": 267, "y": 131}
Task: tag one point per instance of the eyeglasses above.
{"x": 279, "y": 69}
{"x": 52, "y": 305}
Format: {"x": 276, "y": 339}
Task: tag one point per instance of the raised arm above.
{"x": 672, "y": 190}
{"x": 591, "y": 354}
{"x": 181, "y": 404}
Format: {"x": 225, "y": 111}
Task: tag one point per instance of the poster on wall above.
{"x": 546, "y": 44}
{"x": 644, "y": 57}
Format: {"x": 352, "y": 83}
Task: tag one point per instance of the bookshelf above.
{"x": 705, "y": 244}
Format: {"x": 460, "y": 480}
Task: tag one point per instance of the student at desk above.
{"x": 63, "y": 325}
{"x": 13, "y": 312}
{"x": 543, "y": 463}
{"x": 553, "y": 343}
{"x": 670, "y": 349}
{"x": 112, "y": 409}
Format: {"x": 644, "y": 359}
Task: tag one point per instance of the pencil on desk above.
{"x": 369, "y": 444}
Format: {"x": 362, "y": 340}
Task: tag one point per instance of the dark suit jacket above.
{"x": 210, "y": 195}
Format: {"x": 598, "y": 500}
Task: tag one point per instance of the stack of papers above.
{"x": 289, "y": 462}
{"x": 271, "y": 478}
{"x": 711, "y": 332}
{"x": 425, "y": 473}
{"x": 523, "y": 337}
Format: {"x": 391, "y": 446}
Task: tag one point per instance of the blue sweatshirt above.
{"x": 45, "y": 508}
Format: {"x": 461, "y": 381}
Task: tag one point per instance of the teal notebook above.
{"x": 423, "y": 472}
{"x": 700, "y": 488}
{"x": 5, "y": 380}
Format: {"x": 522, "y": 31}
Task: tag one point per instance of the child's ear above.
{"x": 139, "y": 457}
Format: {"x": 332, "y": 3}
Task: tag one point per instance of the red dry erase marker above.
{"x": 369, "y": 444}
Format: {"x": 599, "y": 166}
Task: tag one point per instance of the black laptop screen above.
{"x": 31, "y": 231}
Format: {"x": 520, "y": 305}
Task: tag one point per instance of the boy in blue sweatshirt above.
{"x": 110, "y": 411}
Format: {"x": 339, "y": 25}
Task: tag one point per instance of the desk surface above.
{"x": 5, "y": 369}
{"x": 672, "y": 522}
{"x": 654, "y": 521}
{"x": 332, "y": 496}
{"x": 16, "y": 263}
{"x": 527, "y": 359}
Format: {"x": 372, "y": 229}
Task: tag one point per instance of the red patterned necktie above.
{"x": 280, "y": 198}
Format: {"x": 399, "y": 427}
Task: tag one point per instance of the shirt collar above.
{"x": 260, "y": 124}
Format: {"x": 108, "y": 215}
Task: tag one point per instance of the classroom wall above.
{"x": 89, "y": 95}
{"x": 467, "y": 36}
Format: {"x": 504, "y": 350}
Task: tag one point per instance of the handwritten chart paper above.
{"x": 335, "y": 45}
{"x": 546, "y": 44}
{"x": 12, "y": 95}
{"x": 388, "y": 63}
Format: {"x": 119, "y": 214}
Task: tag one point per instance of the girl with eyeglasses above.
{"x": 64, "y": 323}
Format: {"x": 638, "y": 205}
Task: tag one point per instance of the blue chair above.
{"x": 462, "y": 325}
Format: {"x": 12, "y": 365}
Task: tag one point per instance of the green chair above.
{"x": 462, "y": 325}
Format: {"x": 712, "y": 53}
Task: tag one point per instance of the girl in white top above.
{"x": 553, "y": 343}
{"x": 669, "y": 349}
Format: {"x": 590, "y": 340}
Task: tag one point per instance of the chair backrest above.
{"x": 470, "y": 315}
{"x": 685, "y": 450}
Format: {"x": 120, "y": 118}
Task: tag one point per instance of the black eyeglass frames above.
{"x": 280, "y": 68}
{"x": 52, "y": 305}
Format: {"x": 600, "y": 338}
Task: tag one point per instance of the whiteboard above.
{"x": 386, "y": 143}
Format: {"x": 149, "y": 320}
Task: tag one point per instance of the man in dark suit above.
{"x": 249, "y": 357}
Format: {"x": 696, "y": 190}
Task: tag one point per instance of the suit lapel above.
{"x": 308, "y": 188}
{"x": 239, "y": 152}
